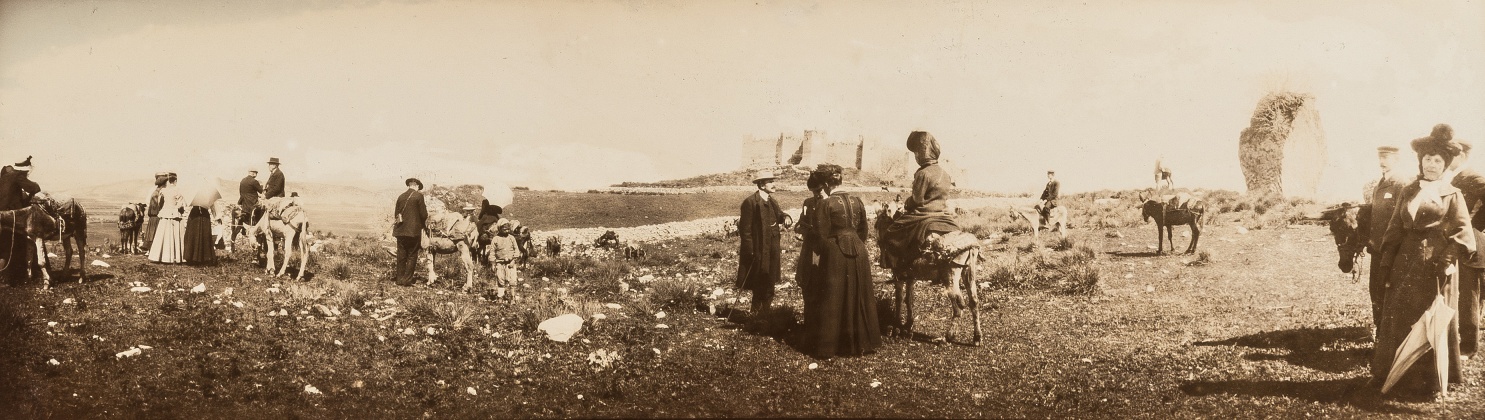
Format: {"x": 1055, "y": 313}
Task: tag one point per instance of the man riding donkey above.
{"x": 1049, "y": 195}
{"x": 16, "y": 189}
{"x": 925, "y": 237}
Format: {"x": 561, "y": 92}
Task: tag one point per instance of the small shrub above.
{"x": 674, "y": 294}
{"x": 555, "y": 266}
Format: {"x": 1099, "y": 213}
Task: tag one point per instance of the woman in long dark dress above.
{"x": 807, "y": 267}
{"x": 199, "y": 246}
{"x": 845, "y": 316}
{"x": 1428, "y": 235}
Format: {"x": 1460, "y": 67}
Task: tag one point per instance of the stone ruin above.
{"x": 1283, "y": 149}
{"x": 814, "y": 147}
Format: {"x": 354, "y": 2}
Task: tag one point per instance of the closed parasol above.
{"x": 1431, "y": 332}
{"x": 499, "y": 194}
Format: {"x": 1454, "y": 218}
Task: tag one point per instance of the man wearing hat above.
{"x": 275, "y": 186}
{"x": 248, "y": 193}
{"x": 758, "y": 254}
{"x": 16, "y": 186}
{"x": 1472, "y": 270}
{"x": 1050, "y": 193}
{"x": 410, "y": 221}
{"x": 1382, "y": 194}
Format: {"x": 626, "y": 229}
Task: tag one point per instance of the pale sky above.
{"x": 554, "y": 94}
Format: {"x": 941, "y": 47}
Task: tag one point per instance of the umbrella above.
{"x": 499, "y": 194}
{"x": 206, "y": 195}
{"x": 1431, "y": 332}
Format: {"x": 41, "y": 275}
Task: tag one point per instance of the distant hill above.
{"x": 787, "y": 175}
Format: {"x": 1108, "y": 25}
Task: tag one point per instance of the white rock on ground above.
{"x": 562, "y": 327}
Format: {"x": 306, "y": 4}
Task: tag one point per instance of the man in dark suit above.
{"x": 1472, "y": 268}
{"x": 758, "y": 253}
{"x": 247, "y": 194}
{"x": 1384, "y": 199}
{"x": 411, "y": 219}
{"x": 1049, "y": 194}
{"x": 275, "y": 186}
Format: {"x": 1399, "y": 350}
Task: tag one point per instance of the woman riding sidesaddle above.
{"x": 926, "y": 211}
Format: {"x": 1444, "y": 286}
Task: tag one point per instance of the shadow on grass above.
{"x": 1352, "y": 392}
{"x": 1140, "y": 254}
{"x": 1332, "y": 350}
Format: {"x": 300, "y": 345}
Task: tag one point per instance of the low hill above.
{"x": 787, "y": 175}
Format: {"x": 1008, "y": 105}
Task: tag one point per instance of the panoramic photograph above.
{"x": 741, "y": 209}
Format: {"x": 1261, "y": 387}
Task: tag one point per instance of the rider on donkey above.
{"x": 926, "y": 211}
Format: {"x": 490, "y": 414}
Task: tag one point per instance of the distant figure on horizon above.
{"x": 759, "y": 251}
{"x": 1382, "y": 194}
{"x": 1049, "y": 194}
{"x": 409, "y": 227}
{"x": 275, "y": 186}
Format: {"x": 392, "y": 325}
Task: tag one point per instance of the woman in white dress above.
{"x": 169, "y": 242}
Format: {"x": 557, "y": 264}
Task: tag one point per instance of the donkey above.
{"x": 1350, "y": 225}
{"x": 72, "y": 229}
{"x": 950, "y": 257}
{"x": 281, "y": 216}
{"x": 1053, "y": 220}
{"x": 131, "y": 220}
{"x": 1167, "y": 217}
{"x": 34, "y": 224}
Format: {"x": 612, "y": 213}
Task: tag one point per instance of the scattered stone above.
{"x": 100, "y": 263}
{"x": 53, "y": 362}
{"x": 876, "y": 383}
{"x": 51, "y": 324}
{"x": 131, "y": 352}
{"x": 561, "y": 327}
{"x": 613, "y": 306}
{"x": 68, "y": 300}
{"x": 662, "y": 326}
{"x": 140, "y": 289}
{"x": 239, "y": 305}
{"x": 283, "y": 312}
{"x": 358, "y": 384}
{"x": 338, "y": 343}
{"x": 814, "y": 366}
{"x": 598, "y": 316}
{"x": 471, "y": 391}
{"x": 660, "y": 315}
{"x": 355, "y": 312}
{"x": 200, "y": 288}
{"x": 1242, "y": 230}
{"x": 310, "y": 389}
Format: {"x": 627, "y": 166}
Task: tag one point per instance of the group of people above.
{"x": 1424, "y": 235}
{"x": 833, "y": 269}
{"x": 178, "y": 230}
{"x": 496, "y": 245}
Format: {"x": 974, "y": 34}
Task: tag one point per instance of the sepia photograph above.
{"x": 741, "y": 209}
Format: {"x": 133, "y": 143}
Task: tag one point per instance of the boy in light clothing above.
{"x": 503, "y": 254}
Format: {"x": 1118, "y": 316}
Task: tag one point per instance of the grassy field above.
{"x": 1259, "y": 326}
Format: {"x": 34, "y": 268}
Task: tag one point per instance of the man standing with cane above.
{"x": 758, "y": 253}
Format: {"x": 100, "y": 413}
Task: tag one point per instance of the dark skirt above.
{"x": 1415, "y": 279}
{"x": 199, "y": 247}
{"x": 841, "y": 312}
{"x": 147, "y": 233}
{"x": 905, "y": 236}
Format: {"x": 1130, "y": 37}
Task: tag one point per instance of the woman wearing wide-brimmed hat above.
{"x": 1427, "y": 237}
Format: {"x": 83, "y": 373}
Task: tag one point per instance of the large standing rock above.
{"x": 1283, "y": 149}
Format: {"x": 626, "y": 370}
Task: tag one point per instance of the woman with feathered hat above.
{"x": 1427, "y": 237}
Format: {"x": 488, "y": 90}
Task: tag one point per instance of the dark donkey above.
{"x": 33, "y": 226}
{"x": 1350, "y": 225}
{"x": 1193, "y": 215}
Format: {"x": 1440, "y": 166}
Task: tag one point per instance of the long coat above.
{"x": 275, "y": 187}
{"x": 841, "y": 310}
{"x": 758, "y": 253}
{"x": 414, "y": 215}
{"x": 16, "y": 189}
{"x": 247, "y": 192}
{"x": 1419, "y": 249}
{"x": 1384, "y": 201}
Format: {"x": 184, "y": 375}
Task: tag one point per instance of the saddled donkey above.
{"x": 131, "y": 220}
{"x": 451, "y": 233}
{"x": 950, "y": 257}
{"x": 1350, "y": 225}
{"x": 280, "y": 216}
{"x": 35, "y": 226}
{"x": 72, "y": 229}
{"x": 1167, "y": 217}
{"x": 1054, "y": 220}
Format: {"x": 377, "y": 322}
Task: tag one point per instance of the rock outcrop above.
{"x": 1283, "y": 149}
